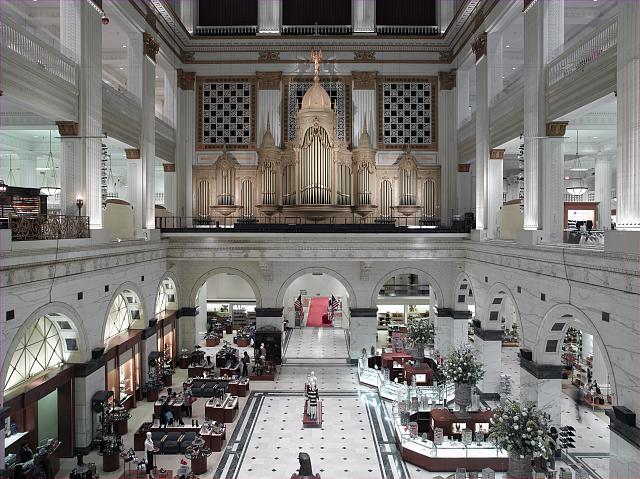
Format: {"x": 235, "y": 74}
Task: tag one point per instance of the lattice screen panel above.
{"x": 226, "y": 113}
{"x": 340, "y": 95}
{"x": 407, "y": 113}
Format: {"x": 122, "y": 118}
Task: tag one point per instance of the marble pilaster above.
{"x": 496, "y": 69}
{"x": 446, "y": 12}
{"x": 189, "y": 14}
{"x": 170, "y": 188}
{"x": 71, "y": 167}
{"x": 465, "y": 183}
{"x": 628, "y": 126}
{"x": 494, "y": 192}
{"x": 363, "y": 329}
{"x": 270, "y": 105}
{"x": 482, "y": 129}
{"x": 451, "y": 329}
{"x": 170, "y": 87}
{"x": 552, "y": 199}
{"x": 148, "y": 130}
{"x": 364, "y": 107}
{"x": 603, "y": 191}
{"x": 269, "y": 318}
{"x": 201, "y": 316}
{"x": 488, "y": 345}
{"x": 89, "y": 380}
{"x": 135, "y": 58}
{"x": 462, "y": 89}
{"x": 448, "y": 146}
{"x": 134, "y": 185}
{"x": 185, "y": 142}
{"x": 363, "y": 16}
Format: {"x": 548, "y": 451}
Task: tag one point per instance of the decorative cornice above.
{"x": 479, "y": 46}
{"x": 269, "y": 80}
{"x": 556, "y": 129}
{"x": 169, "y": 167}
{"x": 464, "y": 168}
{"x": 364, "y": 56}
{"x": 190, "y": 312}
{"x": 496, "y": 154}
{"x": 186, "y": 80}
{"x": 364, "y": 312}
{"x": 542, "y": 371}
{"x": 447, "y": 80}
{"x": 150, "y": 46}
{"x": 132, "y": 153}
{"x": 150, "y": 17}
{"x": 267, "y": 56}
{"x": 489, "y": 334}
{"x": 68, "y": 128}
{"x": 86, "y": 369}
{"x": 446, "y": 56}
{"x": 364, "y": 80}
{"x": 269, "y": 312}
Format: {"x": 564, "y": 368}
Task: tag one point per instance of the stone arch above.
{"x": 464, "y": 288}
{"x": 47, "y": 309}
{"x": 433, "y": 284}
{"x": 174, "y": 280}
{"x": 551, "y": 333}
{"x": 123, "y": 288}
{"x": 212, "y": 272}
{"x": 495, "y": 300}
{"x": 353, "y": 300}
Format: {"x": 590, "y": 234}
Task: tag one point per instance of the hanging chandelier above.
{"x": 111, "y": 182}
{"x": 576, "y": 185}
{"x": 50, "y": 181}
{"x": 11, "y": 179}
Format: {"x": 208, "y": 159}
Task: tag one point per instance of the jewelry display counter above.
{"x": 222, "y": 410}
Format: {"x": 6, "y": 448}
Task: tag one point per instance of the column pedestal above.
{"x": 363, "y": 330}
{"x": 542, "y": 384}
{"x": 624, "y": 447}
{"x": 71, "y": 167}
{"x": 451, "y": 329}
{"x": 187, "y": 331}
{"x": 488, "y": 344}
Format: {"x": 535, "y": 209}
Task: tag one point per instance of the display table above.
{"x": 422, "y": 372}
{"x": 153, "y": 395}
{"x": 111, "y": 462}
{"x": 389, "y": 358}
{"x": 239, "y": 387}
{"x": 183, "y": 362}
{"x": 243, "y": 342}
{"x": 307, "y": 421}
{"x": 120, "y": 428}
{"x": 199, "y": 465}
{"x": 214, "y": 440}
{"x": 222, "y": 411}
{"x": 452, "y": 423}
{"x": 230, "y": 372}
{"x": 175, "y": 405}
{"x": 198, "y": 370}
{"x": 212, "y": 342}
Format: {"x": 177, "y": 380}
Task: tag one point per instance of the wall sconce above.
{"x": 79, "y": 204}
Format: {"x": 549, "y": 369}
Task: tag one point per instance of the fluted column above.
{"x": 462, "y": 88}
{"x": 628, "y": 125}
{"x": 170, "y": 188}
{"x": 496, "y": 69}
{"x": 603, "y": 190}
{"x": 446, "y": 12}
{"x": 135, "y": 59}
{"x": 465, "y": 186}
{"x": 185, "y": 142}
{"x": 270, "y": 105}
{"x": 364, "y": 105}
{"x": 148, "y": 130}
{"x": 189, "y": 14}
{"x": 71, "y": 167}
{"x": 494, "y": 192}
{"x": 269, "y": 16}
{"x": 363, "y": 16}
{"x": 134, "y": 184}
{"x": 552, "y": 198}
{"x": 448, "y": 145}
{"x": 482, "y": 129}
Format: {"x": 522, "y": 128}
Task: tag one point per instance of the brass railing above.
{"x": 48, "y": 227}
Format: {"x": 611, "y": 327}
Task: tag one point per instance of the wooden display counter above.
{"x": 183, "y": 362}
{"x": 239, "y": 388}
{"x": 212, "y": 342}
{"x": 389, "y": 358}
{"x": 442, "y": 464}
{"x": 222, "y": 411}
{"x": 153, "y": 395}
{"x": 175, "y": 405}
{"x": 198, "y": 371}
{"x": 199, "y": 465}
{"x": 231, "y": 372}
{"x": 120, "y": 428}
{"x": 243, "y": 342}
{"x": 215, "y": 441}
{"x": 111, "y": 462}
{"x": 422, "y": 371}
{"x": 452, "y": 423}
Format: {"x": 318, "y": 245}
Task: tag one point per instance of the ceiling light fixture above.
{"x": 577, "y": 166}
{"x": 49, "y": 181}
{"x": 121, "y": 68}
{"x": 507, "y": 46}
{"x": 576, "y": 187}
{"x": 124, "y": 46}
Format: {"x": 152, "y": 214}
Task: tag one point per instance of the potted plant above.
{"x": 419, "y": 333}
{"x": 463, "y": 368}
{"x": 522, "y": 431}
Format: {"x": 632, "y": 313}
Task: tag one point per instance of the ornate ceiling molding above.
{"x": 68, "y": 128}
{"x": 150, "y": 46}
{"x": 364, "y": 80}
{"x": 269, "y": 80}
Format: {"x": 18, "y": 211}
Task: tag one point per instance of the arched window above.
{"x": 46, "y": 345}
{"x": 166, "y": 295}
{"x": 386, "y": 199}
{"x": 125, "y": 309}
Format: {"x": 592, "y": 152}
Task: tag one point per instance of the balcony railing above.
{"x": 17, "y": 40}
{"x": 583, "y": 53}
{"x": 48, "y": 227}
{"x": 407, "y": 30}
{"x": 230, "y": 31}
{"x": 317, "y": 29}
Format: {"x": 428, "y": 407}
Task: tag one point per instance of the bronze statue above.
{"x": 305, "y": 470}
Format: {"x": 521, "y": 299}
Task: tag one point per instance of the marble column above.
{"x": 542, "y": 384}
{"x": 135, "y": 58}
{"x": 496, "y": 69}
{"x": 446, "y": 12}
{"x": 269, "y": 16}
{"x": 70, "y": 31}
{"x": 494, "y": 192}
{"x": 269, "y": 105}
{"x": 482, "y": 129}
{"x": 185, "y": 142}
{"x": 170, "y": 188}
{"x": 201, "y": 317}
{"x": 543, "y": 36}
{"x": 450, "y": 329}
{"x": 170, "y": 78}
{"x": 134, "y": 184}
{"x": 187, "y": 321}
{"x": 88, "y": 380}
{"x": 363, "y": 331}
{"x": 552, "y": 198}
{"x": 628, "y": 126}
{"x": 464, "y": 197}
{"x": 462, "y": 88}
{"x": 148, "y": 129}
{"x": 448, "y": 146}
{"x": 364, "y": 105}
{"x": 603, "y": 190}
{"x": 71, "y": 167}
{"x": 363, "y": 16}
{"x": 488, "y": 344}
{"x": 189, "y": 14}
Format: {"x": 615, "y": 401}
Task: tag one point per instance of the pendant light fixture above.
{"x": 50, "y": 181}
{"x": 111, "y": 182}
{"x": 11, "y": 179}
{"x": 576, "y": 186}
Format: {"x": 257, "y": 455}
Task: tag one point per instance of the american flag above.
{"x": 298, "y": 305}
{"x": 333, "y": 305}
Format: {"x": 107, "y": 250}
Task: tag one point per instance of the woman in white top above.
{"x": 149, "y": 448}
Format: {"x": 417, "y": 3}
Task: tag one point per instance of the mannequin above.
{"x": 312, "y": 399}
{"x": 263, "y": 350}
{"x": 149, "y": 448}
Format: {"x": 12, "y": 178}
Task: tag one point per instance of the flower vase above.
{"x": 519, "y": 467}
{"x": 462, "y": 395}
{"x": 418, "y": 352}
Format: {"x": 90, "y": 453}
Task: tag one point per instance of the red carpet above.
{"x": 317, "y": 308}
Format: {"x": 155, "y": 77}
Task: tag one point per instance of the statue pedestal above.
{"x": 308, "y": 421}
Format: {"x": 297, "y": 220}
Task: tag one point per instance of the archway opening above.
{"x": 125, "y": 313}
{"x": 316, "y": 300}
{"x": 166, "y": 297}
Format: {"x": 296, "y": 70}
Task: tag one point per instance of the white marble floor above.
{"x": 316, "y": 343}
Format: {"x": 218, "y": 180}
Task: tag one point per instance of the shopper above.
{"x": 18, "y": 473}
{"x": 553, "y": 446}
{"x": 577, "y": 398}
{"x": 245, "y": 364}
{"x": 166, "y": 416}
{"x": 26, "y": 454}
{"x": 187, "y": 395}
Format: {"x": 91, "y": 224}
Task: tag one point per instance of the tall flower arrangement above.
{"x": 419, "y": 331}
{"x": 463, "y": 367}
{"x": 522, "y": 430}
